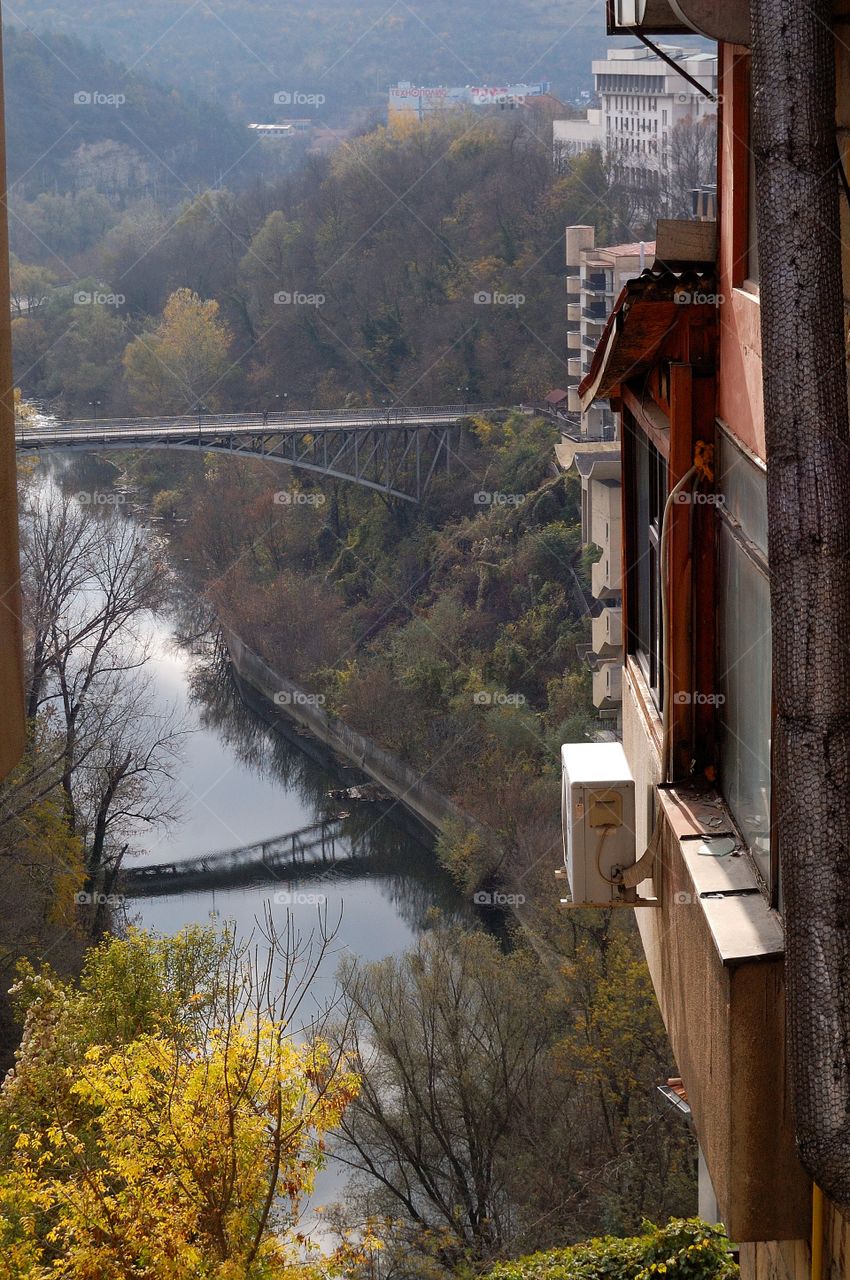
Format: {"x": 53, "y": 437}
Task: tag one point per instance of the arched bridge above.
{"x": 318, "y": 847}
{"x": 395, "y": 450}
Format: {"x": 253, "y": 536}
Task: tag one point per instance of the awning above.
{"x": 556, "y": 397}
{"x": 647, "y": 311}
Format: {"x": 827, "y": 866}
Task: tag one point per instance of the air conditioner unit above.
{"x": 598, "y": 815}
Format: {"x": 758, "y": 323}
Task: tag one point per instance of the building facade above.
{"x": 595, "y": 278}
{"x": 680, "y": 363}
{"x": 642, "y": 101}
{"x": 414, "y": 102}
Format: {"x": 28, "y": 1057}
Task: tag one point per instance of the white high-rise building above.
{"x": 642, "y": 98}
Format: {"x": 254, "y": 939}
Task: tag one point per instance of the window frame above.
{"x": 771, "y": 886}
{"x": 644, "y": 546}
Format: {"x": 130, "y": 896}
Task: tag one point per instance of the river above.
{"x": 248, "y": 775}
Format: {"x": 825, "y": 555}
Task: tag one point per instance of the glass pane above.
{"x": 743, "y": 487}
{"x": 643, "y": 628}
{"x": 745, "y": 686}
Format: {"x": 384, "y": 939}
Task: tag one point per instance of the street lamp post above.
{"x": 95, "y": 405}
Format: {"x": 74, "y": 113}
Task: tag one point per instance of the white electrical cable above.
{"x": 665, "y": 623}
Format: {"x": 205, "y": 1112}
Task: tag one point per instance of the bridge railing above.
{"x": 391, "y": 415}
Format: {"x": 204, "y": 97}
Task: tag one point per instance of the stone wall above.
{"x": 392, "y": 773}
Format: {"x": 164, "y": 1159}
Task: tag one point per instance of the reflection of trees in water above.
{"x": 224, "y": 710}
{"x": 398, "y": 852}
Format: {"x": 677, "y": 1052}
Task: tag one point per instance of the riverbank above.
{"x": 398, "y": 778}
{"x": 403, "y": 782}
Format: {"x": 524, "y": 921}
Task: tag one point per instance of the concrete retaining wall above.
{"x": 395, "y": 775}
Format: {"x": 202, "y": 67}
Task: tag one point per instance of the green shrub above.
{"x": 684, "y": 1249}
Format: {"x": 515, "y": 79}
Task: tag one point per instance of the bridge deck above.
{"x": 311, "y": 846}
{"x": 395, "y": 449}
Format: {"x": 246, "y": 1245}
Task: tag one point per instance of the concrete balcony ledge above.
{"x": 742, "y": 925}
{"x": 715, "y": 953}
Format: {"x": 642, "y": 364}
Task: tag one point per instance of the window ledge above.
{"x": 749, "y": 291}
{"x": 743, "y": 927}
{"x": 643, "y": 694}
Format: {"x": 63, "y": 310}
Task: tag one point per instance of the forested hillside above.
{"x": 415, "y": 269}
{"x": 76, "y": 119}
{"x": 239, "y": 53}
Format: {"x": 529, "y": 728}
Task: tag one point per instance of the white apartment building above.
{"x": 642, "y": 99}
{"x": 594, "y": 280}
{"x": 598, "y": 466}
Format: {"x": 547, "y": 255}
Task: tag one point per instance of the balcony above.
{"x": 595, "y": 282}
{"x": 608, "y": 686}
{"x": 573, "y": 339}
{"x": 607, "y": 632}
{"x": 590, "y": 340}
{"x": 574, "y": 368}
{"x": 605, "y": 577}
{"x": 574, "y": 313}
{"x": 597, "y": 313}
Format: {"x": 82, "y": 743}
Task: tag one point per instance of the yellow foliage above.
{"x": 180, "y": 1154}
{"x": 182, "y": 362}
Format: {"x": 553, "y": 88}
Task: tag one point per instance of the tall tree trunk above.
{"x": 808, "y": 493}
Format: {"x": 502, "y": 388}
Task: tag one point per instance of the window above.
{"x": 744, "y": 654}
{"x": 650, "y": 495}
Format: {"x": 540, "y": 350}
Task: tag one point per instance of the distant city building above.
{"x": 572, "y": 137}
{"x": 594, "y": 279}
{"x": 288, "y": 129}
{"x": 408, "y": 101}
{"x": 642, "y": 98}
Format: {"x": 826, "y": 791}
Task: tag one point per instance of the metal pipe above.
{"x": 666, "y": 700}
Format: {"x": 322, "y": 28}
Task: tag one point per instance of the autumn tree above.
{"x": 693, "y": 161}
{"x": 453, "y": 1043}
{"x": 183, "y": 361}
{"x": 167, "y": 1114}
{"x": 88, "y": 580}
{"x": 30, "y": 286}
